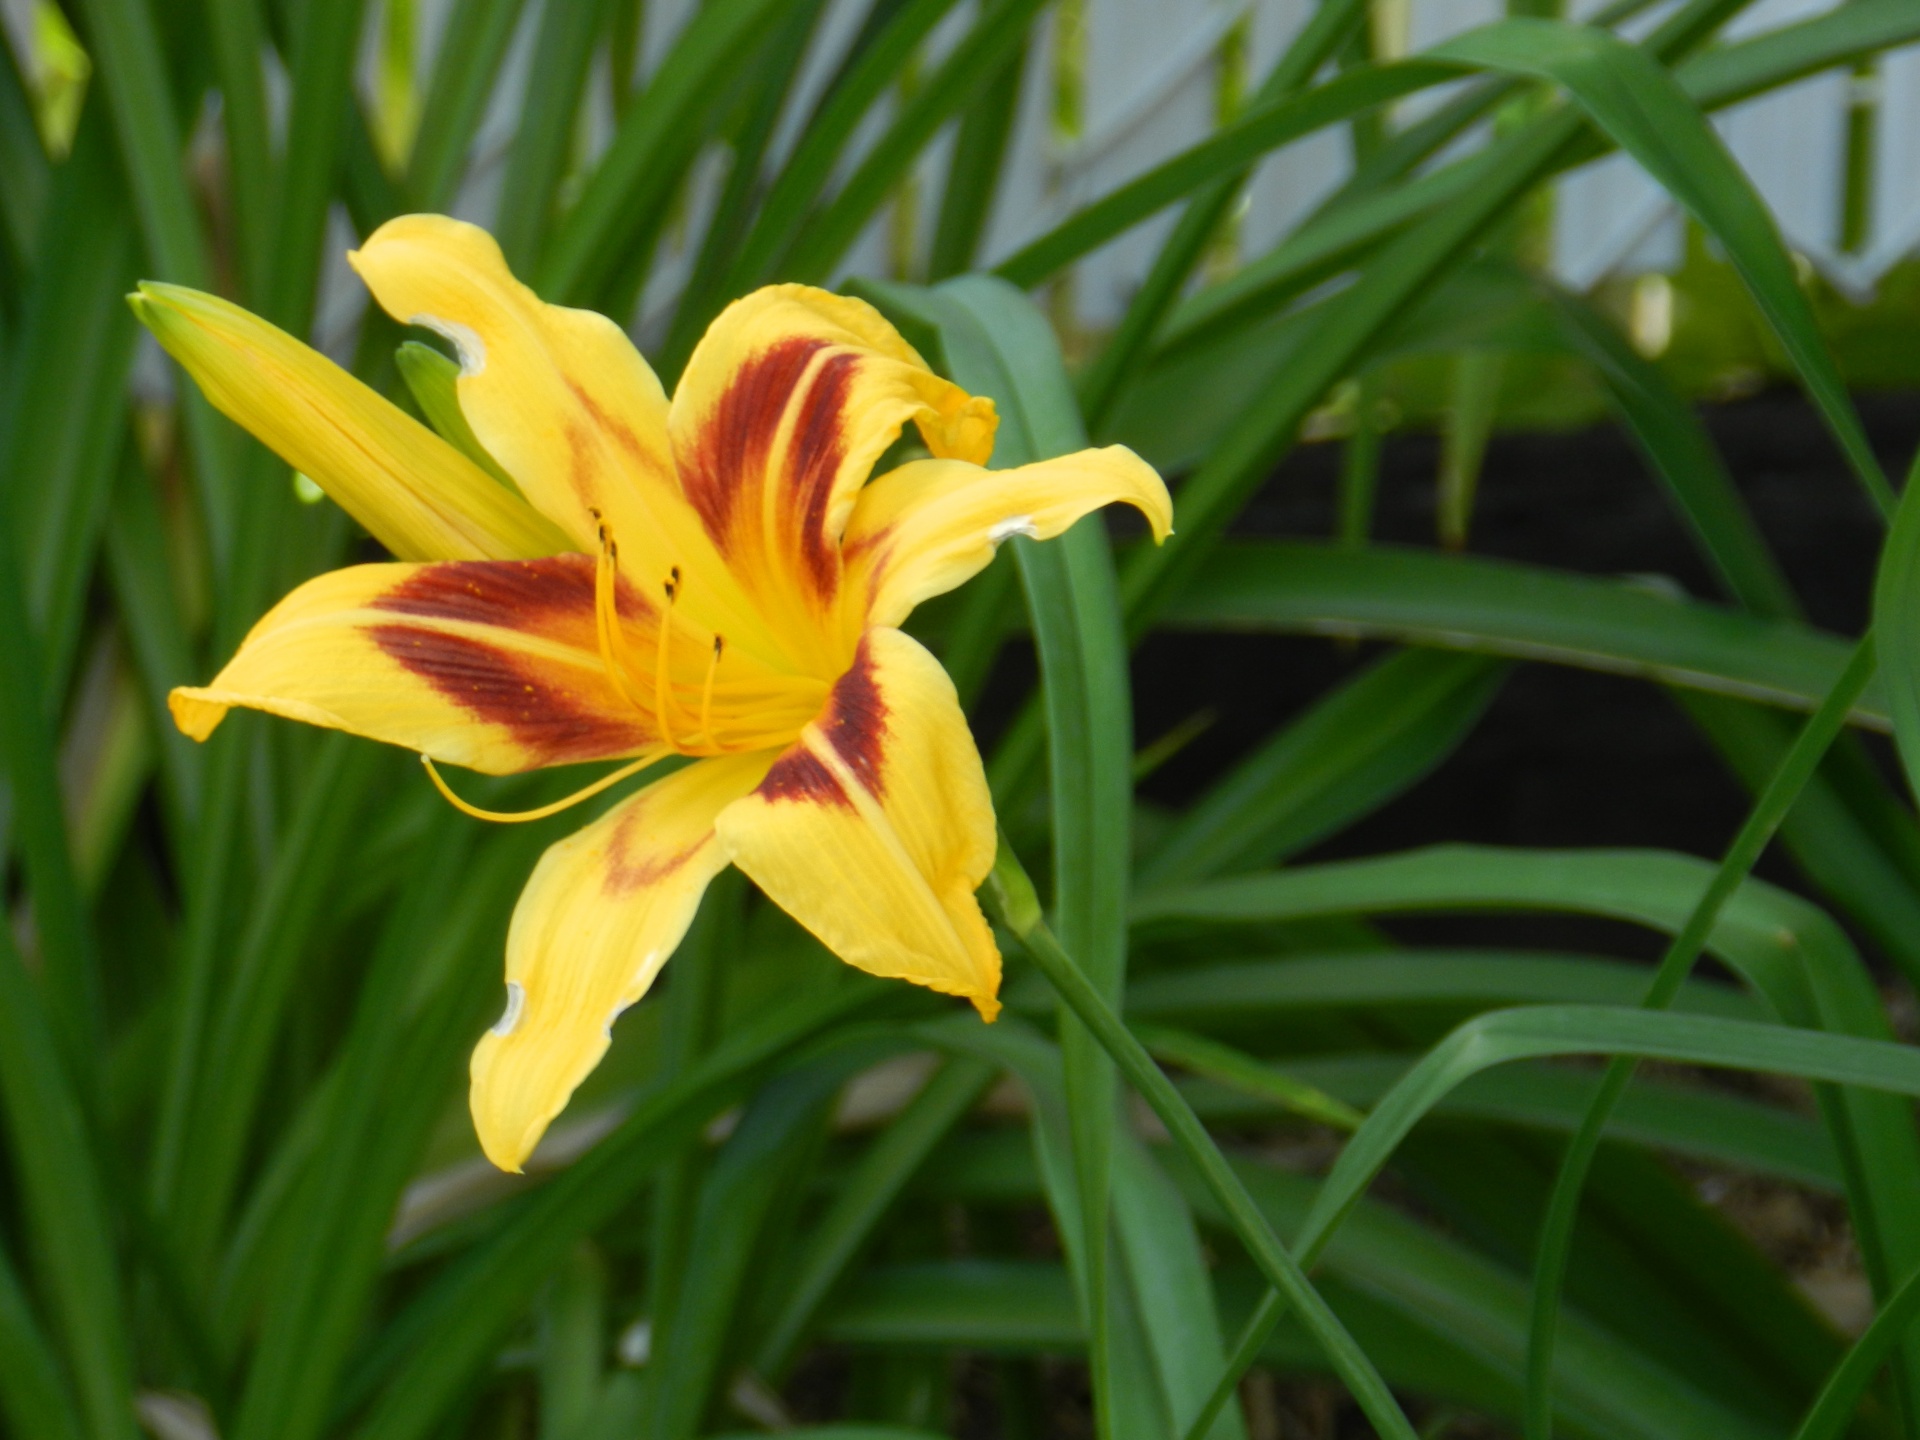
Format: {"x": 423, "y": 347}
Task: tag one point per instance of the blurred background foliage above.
{"x": 239, "y": 1193}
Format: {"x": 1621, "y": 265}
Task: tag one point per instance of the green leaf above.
{"x": 64, "y": 1204}
{"x": 1538, "y": 1032}
{"x": 429, "y": 983}
{"x": 450, "y": 1329}
{"x": 1108, "y": 376}
{"x": 130, "y": 69}
{"x": 430, "y": 376}
{"x": 1083, "y": 670}
{"x": 1226, "y": 152}
{"x": 756, "y": 1167}
{"x": 1390, "y": 979}
{"x": 537, "y": 163}
{"x": 1498, "y": 607}
{"x": 1356, "y": 748}
{"x": 1841, "y": 1395}
{"x": 457, "y": 96}
{"x": 1896, "y": 620}
{"x": 872, "y": 1188}
{"x": 1237, "y": 1071}
{"x": 657, "y": 139}
{"x": 238, "y": 43}
{"x": 973, "y": 174}
{"x": 1682, "y": 454}
{"x": 870, "y": 71}
{"x": 1785, "y": 948}
{"x": 1356, "y": 1371}
{"x": 1644, "y": 110}
{"x": 33, "y": 1392}
{"x": 1796, "y": 767}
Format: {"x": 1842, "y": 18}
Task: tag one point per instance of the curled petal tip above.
{"x": 196, "y": 716}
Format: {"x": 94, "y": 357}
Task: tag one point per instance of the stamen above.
{"x": 606, "y": 614}
{"x": 706, "y": 694}
{"x": 662, "y": 681}
{"x": 518, "y": 817}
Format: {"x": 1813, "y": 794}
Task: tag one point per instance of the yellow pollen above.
{"x": 518, "y": 817}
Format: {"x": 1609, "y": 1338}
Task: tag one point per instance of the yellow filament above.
{"x": 706, "y": 694}
{"x": 662, "y": 681}
{"x": 518, "y": 817}
{"x": 606, "y": 616}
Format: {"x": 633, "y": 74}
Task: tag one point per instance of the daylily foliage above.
{"x": 713, "y": 576}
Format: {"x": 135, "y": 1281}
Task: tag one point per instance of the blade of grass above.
{"x": 1858, "y": 864}
{"x": 428, "y": 986}
{"x": 1896, "y": 616}
{"x": 28, "y": 753}
{"x": 695, "y": 994}
{"x": 1224, "y": 153}
{"x": 757, "y": 1166}
{"x": 130, "y": 69}
{"x": 321, "y": 63}
{"x": 23, "y": 160}
{"x": 239, "y": 1043}
{"x": 1787, "y": 949}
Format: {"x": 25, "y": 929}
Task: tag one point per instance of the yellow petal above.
{"x": 919, "y": 531}
{"x": 414, "y": 492}
{"x": 875, "y": 830}
{"x": 566, "y": 405}
{"x": 489, "y": 664}
{"x": 603, "y": 911}
{"x": 786, "y": 404}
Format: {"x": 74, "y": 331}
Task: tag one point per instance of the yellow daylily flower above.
{"x": 711, "y": 576}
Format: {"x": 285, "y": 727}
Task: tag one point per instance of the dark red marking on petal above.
{"x": 549, "y": 596}
{"x": 801, "y": 775}
{"x": 818, "y": 447}
{"x": 554, "y": 724}
{"x": 737, "y": 434}
{"x": 628, "y": 871}
{"x": 724, "y": 475}
{"x": 621, "y": 432}
{"x": 855, "y": 721}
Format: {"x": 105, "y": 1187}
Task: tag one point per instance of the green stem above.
{"x": 1010, "y": 895}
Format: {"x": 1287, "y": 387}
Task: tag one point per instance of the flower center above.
{"x": 702, "y": 739}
